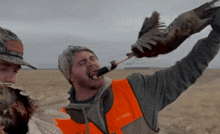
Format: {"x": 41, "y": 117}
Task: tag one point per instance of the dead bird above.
{"x": 15, "y": 110}
{"x": 155, "y": 38}
{"x": 18, "y": 107}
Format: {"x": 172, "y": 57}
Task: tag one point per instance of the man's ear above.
{"x": 70, "y": 78}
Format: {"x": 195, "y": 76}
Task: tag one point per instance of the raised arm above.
{"x": 163, "y": 87}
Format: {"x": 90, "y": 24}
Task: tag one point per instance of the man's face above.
{"x": 8, "y": 71}
{"x": 84, "y": 63}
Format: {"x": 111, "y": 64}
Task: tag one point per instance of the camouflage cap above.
{"x": 11, "y": 48}
{"x": 66, "y": 58}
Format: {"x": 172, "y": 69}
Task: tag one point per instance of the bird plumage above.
{"x": 153, "y": 39}
{"x": 19, "y": 106}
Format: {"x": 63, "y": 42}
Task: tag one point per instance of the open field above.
{"x": 196, "y": 111}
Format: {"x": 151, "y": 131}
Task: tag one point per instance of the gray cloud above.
{"x": 47, "y": 27}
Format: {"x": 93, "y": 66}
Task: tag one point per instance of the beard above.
{"x": 90, "y": 83}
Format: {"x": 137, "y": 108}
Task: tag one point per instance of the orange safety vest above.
{"x": 125, "y": 110}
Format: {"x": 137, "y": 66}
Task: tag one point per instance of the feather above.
{"x": 155, "y": 39}
{"x": 42, "y": 111}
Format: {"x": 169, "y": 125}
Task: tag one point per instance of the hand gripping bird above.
{"x": 19, "y": 107}
{"x": 154, "y": 39}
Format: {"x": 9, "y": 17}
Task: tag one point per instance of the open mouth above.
{"x": 93, "y": 74}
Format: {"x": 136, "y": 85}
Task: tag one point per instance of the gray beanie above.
{"x": 66, "y": 58}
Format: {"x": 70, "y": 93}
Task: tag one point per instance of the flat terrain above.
{"x": 196, "y": 111}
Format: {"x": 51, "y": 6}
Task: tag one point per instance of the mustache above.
{"x": 92, "y": 69}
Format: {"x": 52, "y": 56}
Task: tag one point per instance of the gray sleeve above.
{"x": 156, "y": 91}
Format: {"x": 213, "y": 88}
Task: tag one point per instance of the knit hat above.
{"x": 66, "y": 58}
{"x": 11, "y": 48}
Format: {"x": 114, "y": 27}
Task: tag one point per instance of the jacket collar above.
{"x": 100, "y": 93}
{"x": 86, "y": 112}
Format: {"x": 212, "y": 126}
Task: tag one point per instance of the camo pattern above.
{"x": 9, "y": 55}
{"x": 65, "y": 60}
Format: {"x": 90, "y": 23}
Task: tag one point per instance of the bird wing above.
{"x": 152, "y": 32}
{"x": 153, "y": 40}
{"x": 48, "y": 108}
{"x": 151, "y": 23}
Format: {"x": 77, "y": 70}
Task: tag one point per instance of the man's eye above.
{"x": 81, "y": 63}
{"x": 93, "y": 58}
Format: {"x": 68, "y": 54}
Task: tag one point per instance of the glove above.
{"x": 215, "y": 24}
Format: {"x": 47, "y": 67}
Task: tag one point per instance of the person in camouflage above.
{"x": 11, "y": 59}
{"x": 129, "y": 105}
{"x": 11, "y": 56}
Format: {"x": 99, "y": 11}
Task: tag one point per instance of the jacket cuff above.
{"x": 215, "y": 36}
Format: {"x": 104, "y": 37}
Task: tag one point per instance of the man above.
{"x": 11, "y": 56}
{"x": 11, "y": 59}
{"x": 129, "y": 105}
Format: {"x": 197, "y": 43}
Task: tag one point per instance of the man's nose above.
{"x": 90, "y": 63}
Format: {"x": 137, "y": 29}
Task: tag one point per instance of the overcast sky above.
{"x": 108, "y": 27}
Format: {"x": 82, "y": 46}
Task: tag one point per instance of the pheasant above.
{"x": 18, "y": 107}
{"x": 154, "y": 39}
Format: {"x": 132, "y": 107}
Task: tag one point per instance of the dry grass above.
{"x": 196, "y": 111}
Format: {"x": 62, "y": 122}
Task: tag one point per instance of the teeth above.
{"x": 93, "y": 74}
{"x": 95, "y": 77}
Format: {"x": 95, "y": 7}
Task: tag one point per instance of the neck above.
{"x": 84, "y": 94}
